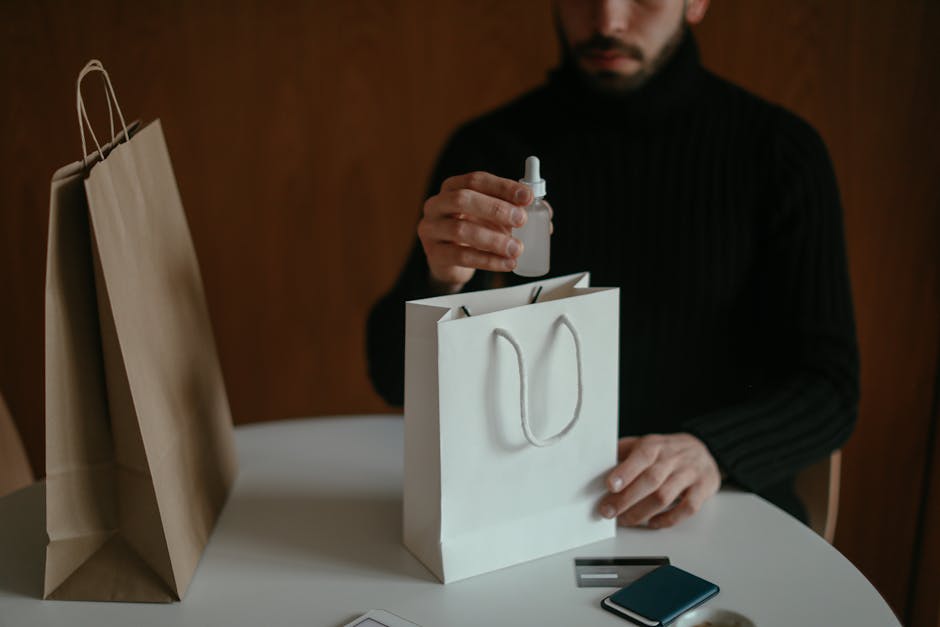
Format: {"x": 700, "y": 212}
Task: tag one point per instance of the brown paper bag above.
{"x": 139, "y": 448}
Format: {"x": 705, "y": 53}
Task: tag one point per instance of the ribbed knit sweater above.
{"x": 717, "y": 215}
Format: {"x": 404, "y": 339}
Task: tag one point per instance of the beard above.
{"x": 614, "y": 83}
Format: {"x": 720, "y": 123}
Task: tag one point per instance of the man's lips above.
{"x": 605, "y": 58}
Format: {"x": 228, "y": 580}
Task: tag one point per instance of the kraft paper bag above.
{"x": 139, "y": 444}
{"x": 510, "y": 423}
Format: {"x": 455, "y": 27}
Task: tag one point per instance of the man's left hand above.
{"x": 660, "y": 480}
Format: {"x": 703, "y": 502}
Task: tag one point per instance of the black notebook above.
{"x": 660, "y": 597}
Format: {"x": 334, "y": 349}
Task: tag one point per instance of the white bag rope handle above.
{"x": 533, "y": 439}
{"x": 95, "y": 66}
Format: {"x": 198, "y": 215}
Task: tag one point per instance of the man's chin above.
{"x": 615, "y": 83}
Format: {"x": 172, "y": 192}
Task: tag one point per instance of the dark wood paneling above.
{"x": 302, "y": 134}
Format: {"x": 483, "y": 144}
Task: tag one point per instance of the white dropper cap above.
{"x": 532, "y": 178}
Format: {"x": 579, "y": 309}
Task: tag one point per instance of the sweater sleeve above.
{"x": 385, "y": 327}
{"x": 807, "y": 404}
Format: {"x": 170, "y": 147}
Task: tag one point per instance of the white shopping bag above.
{"x": 510, "y": 423}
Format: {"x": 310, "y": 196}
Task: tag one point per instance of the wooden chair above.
{"x": 15, "y": 471}
{"x": 818, "y": 487}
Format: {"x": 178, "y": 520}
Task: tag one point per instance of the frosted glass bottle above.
{"x": 535, "y": 234}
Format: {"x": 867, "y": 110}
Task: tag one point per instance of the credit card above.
{"x": 613, "y": 572}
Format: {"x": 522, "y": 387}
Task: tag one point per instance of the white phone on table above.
{"x": 380, "y": 618}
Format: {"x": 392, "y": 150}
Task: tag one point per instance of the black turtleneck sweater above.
{"x": 717, "y": 215}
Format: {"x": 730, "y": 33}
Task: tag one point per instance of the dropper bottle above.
{"x": 536, "y": 232}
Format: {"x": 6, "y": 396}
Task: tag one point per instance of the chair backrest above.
{"x": 15, "y": 471}
{"x": 818, "y": 487}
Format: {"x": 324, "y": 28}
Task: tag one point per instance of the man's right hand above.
{"x": 468, "y": 226}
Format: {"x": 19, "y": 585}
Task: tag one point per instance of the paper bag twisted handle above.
{"x": 95, "y": 66}
{"x": 533, "y": 439}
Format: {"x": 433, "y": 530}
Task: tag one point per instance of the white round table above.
{"x": 311, "y": 535}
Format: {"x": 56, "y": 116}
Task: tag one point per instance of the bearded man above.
{"x": 715, "y": 212}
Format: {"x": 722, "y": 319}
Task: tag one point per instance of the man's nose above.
{"x": 612, "y": 17}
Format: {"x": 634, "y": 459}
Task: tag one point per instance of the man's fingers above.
{"x": 658, "y": 501}
{"x": 646, "y": 483}
{"x": 624, "y": 446}
{"x": 490, "y": 185}
{"x": 638, "y": 459}
{"x": 471, "y": 234}
{"x": 683, "y": 509}
{"x": 654, "y": 471}
{"x": 690, "y": 503}
{"x": 475, "y": 205}
{"x": 448, "y": 254}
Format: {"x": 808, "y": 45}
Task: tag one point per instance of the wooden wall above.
{"x": 302, "y": 134}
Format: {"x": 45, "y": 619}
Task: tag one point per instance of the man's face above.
{"x": 619, "y": 44}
